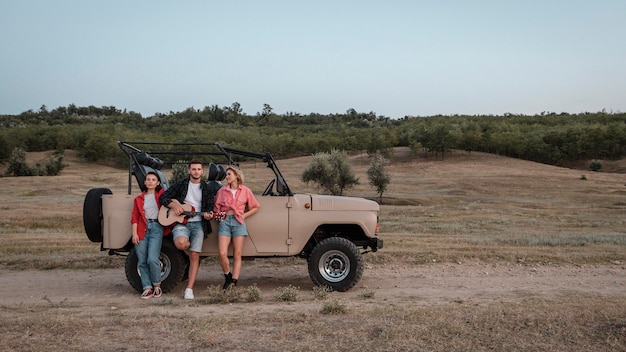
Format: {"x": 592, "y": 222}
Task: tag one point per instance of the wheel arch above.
{"x": 352, "y": 232}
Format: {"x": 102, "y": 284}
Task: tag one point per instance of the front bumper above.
{"x": 376, "y": 244}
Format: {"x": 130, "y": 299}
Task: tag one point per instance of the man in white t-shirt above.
{"x": 189, "y": 236}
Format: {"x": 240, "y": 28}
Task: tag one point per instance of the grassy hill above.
{"x": 469, "y": 205}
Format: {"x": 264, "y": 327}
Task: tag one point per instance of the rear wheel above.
{"x": 174, "y": 264}
{"x": 336, "y": 263}
{"x": 92, "y": 213}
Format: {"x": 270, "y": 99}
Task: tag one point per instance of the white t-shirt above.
{"x": 150, "y": 206}
{"x": 194, "y": 198}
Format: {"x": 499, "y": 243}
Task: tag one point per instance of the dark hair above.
{"x": 194, "y": 161}
{"x": 158, "y": 187}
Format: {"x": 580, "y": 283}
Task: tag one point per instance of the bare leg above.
{"x": 194, "y": 264}
{"x": 181, "y": 242}
{"x": 222, "y": 245}
{"x": 237, "y": 249}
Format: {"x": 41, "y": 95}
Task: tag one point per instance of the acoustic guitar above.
{"x": 168, "y": 217}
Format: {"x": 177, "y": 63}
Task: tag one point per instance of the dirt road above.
{"x": 432, "y": 284}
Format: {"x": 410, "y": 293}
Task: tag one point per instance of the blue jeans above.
{"x": 232, "y": 228}
{"x": 148, "y": 251}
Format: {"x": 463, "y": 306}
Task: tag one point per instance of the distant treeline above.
{"x": 547, "y": 138}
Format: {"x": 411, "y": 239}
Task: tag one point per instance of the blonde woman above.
{"x": 234, "y": 199}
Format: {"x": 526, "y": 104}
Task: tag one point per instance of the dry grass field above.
{"x": 481, "y": 253}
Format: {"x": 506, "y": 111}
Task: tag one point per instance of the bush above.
{"x": 215, "y": 295}
{"x": 17, "y": 164}
{"x": 54, "y": 165}
{"x": 98, "y": 146}
{"x": 179, "y": 171}
{"x": 378, "y": 178}
{"x": 595, "y": 165}
{"x": 253, "y": 293}
{"x": 334, "y": 307}
{"x": 4, "y": 149}
{"x": 331, "y": 171}
{"x": 288, "y": 293}
{"x": 321, "y": 292}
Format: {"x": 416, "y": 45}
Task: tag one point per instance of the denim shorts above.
{"x": 194, "y": 233}
{"x": 231, "y": 227}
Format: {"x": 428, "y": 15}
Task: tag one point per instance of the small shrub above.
{"x": 253, "y": 294}
{"x": 288, "y": 293}
{"x": 595, "y": 165}
{"x": 216, "y": 295}
{"x": 17, "y": 164}
{"x": 321, "y": 292}
{"x": 367, "y": 294}
{"x": 179, "y": 171}
{"x": 233, "y": 294}
{"x": 334, "y": 306}
{"x": 377, "y": 175}
{"x": 54, "y": 165}
{"x": 38, "y": 170}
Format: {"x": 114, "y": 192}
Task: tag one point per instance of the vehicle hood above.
{"x": 326, "y": 202}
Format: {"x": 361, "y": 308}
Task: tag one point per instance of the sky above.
{"x": 395, "y": 58}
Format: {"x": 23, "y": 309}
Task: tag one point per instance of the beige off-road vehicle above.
{"x": 331, "y": 232}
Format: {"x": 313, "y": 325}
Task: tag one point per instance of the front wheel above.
{"x": 174, "y": 264}
{"x": 336, "y": 263}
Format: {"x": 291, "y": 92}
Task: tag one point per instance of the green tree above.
{"x": 54, "y": 165}
{"x": 331, "y": 171}
{"x": 267, "y": 110}
{"x": 17, "y": 164}
{"x": 439, "y": 139}
{"x": 98, "y": 146}
{"x": 4, "y": 149}
{"x": 377, "y": 176}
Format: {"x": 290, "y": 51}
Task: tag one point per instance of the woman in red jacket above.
{"x": 148, "y": 236}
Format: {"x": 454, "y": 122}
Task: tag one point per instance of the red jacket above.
{"x": 138, "y": 216}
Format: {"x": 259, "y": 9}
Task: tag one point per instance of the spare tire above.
{"x": 92, "y": 213}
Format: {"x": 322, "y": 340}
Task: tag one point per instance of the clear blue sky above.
{"x": 395, "y": 58}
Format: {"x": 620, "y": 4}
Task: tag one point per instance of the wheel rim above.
{"x": 334, "y": 266}
{"x": 166, "y": 267}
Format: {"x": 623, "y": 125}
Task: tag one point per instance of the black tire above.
{"x": 92, "y": 213}
{"x": 174, "y": 263}
{"x": 336, "y": 263}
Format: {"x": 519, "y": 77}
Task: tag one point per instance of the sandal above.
{"x": 147, "y": 293}
{"x": 158, "y": 292}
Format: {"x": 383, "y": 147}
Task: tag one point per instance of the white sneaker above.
{"x": 189, "y": 293}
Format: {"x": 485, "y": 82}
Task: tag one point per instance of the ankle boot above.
{"x": 228, "y": 279}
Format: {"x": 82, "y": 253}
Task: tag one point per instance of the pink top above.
{"x": 224, "y": 201}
